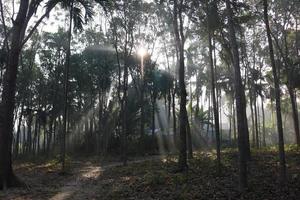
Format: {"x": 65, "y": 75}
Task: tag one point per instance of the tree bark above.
{"x": 252, "y": 117}
{"x": 189, "y": 139}
{"x": 66, "y": 91}
{"x": 234, "y": 123}
{"x": 178, "y": 30}
{"x": 256, "y": 123}
{"x": 240, "y": 102}
{"x": 263, "y": 122}
{"x": 174, "y": 115}
{"x": 295, "y": 115}
{"x": 277, "y": 98}
{"x": 18, "y": 131}
{"x": 153, "y": 120}
{"x": 7, "y": 177}
{"x": 214, "y": 100}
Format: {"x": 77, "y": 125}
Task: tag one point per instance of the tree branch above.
{"x": 4, "y": 26}
{"x": 36, "y": 25}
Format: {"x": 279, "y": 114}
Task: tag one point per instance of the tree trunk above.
{"x": 178, "y": 30}
{"x": 256, "y": 123}
{"x": 142, "y": 128}
{"x": 240, "y": 102}
{"x": 38, "y": 139}
{"x": 214, "y": 101}
{"x": 234, "y": 123}
{"x": 124, "y": 117}
{"x": 66, "y": 90}
{"x": 169, "y": 109}
{"x": 100, "y": 124}
{"x": 252, "y": 119}
{"x": 29, "y": 134}
{"x": 189, "y": 139}
{"x": 259, "y": 126}
{"x": 45, "y": 138}
{"x": 54, "y": 134}
{"x": 295, "y": 115}
{"x": 7, "y": 177}
{"x": 263, "y": 121}
{"x": 230, "y": 126}
{"x": 49, "y": 139}
{"x": 174, "y": 115}
{"x": 24, "y": 139}
{"x": 18, "y": 131}
{"x": 208, "y": 121}
{"x": 153, "y": 120}
{"x": 277, "y": 98}
{"x": 34, "y": 147}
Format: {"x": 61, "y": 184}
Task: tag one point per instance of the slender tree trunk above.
{"x": 91, "y": 131}
{"x": 263, "y": 122}
{"x": 189, "y": 139}
{"x": 18, "y": 131}
{"x": 256, "y": 123}
{"x": 36, "y": 125}
{"x": 24, "y": 139}
{"x": 153, "y": 120}
{"x": 230, "y": 126}
{"x": 295, "y": 115}
{"x": 124, "y": 117}
{"x": 38, "y": 138}
{"x": 188, "y": 128}
{"x": 174, "y": 116}
{"x": 252, "y": 119}
{"x": 220, "y": 116}
{"x": 277, "y": 98}
{"x": 178, "y": 30}
{"x": 100, "y": 124}
{"x": 240, "y": 102}
{"x": 29, "y": 144}
{"x": 45, "y": 137}
{"x": 234, "y": 123}
{"x": 49, "y": 135}
{"x": 66, "y": 91}
{"x": 209, "y": 112}
{"x": 259, "y": 126}
{"x": 214, "y": 101}
{"x": 142, "y": 128}
{"x": 54, "y": 134}
{"x": 169, "y": 109}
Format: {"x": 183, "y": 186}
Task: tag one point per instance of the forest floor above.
{"x": 155, "y": 178}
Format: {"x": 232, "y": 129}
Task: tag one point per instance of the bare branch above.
{"x": 4, "y": 26}
{"x": 36, "y": 25}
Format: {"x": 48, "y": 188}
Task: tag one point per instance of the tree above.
{"x": 178, "y": 31}
{"x": 210, "y": 12}
{"x": 26, "y": 11}
{"x": 277, "y": 97}
{"x": 75, "y": 11}
{"x": 240, "y": 101}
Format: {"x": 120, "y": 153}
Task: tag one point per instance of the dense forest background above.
{"x": 130, "y": 78}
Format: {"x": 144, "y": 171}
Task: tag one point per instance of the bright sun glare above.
{"x": 142, "y": 51}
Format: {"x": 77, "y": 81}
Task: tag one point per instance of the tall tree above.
{"x": 210, "y": 11}
{"x": 179, "y": 35}
{"x": 26, "y": 11}
{"x": 75, "y": 10}
{"x": 240, "y": 101}
{"x": 277, "y": 97}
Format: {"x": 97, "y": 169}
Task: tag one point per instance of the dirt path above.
{"x": 88, "y": 172}
{"x": 45, "y": 183}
